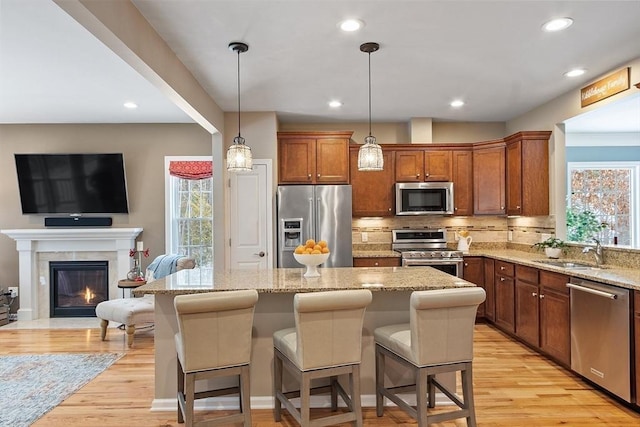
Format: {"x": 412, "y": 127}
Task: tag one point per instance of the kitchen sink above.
{"x": 569, "y": 265}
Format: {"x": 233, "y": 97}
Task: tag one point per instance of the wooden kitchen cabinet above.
{"x": 409, "y": 165}
{"x": 423, "y": 165}
{"x": 527, "y": 173}
{"x": 373, "y": 192}
{"x": 313, "y": 157}
{"x": 636, "y": 323}
{"x": 489, "y": 179}
{"x": 462, "y": 177}
{"x": 437, "y": 165}
{"x": 489, "y": 288}
{"x": 527, "y": 313}
{"x": 504, "y": 296}
{"x": 555, "y": 316}
{"x": 377, "y": 262}
{"x": 473, "y": 271}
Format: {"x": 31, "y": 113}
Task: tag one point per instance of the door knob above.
{"x": 260, "y": 254}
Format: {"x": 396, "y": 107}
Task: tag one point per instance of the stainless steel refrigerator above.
{"x": 319, "y": 212}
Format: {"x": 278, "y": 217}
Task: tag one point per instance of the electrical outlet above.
{"x": 509, "y": 235}
{"x": 13, "y": 291}
{"x": 364, "y": 236}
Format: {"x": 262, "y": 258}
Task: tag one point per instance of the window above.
{"x": 603, "y": 202}
{"x": 189, "y": 190}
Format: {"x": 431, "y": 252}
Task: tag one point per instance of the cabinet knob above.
{"x": 518, "y": 207}
{"x": 541, "y": 296}
{"x": 375, "y": 263}
{"x": 318, "y": 175}
{"x": 309, "y": 176}
{"x": 501, "y": 268}
{"x": 534, "y": 294}
{"x": 502, "y": 207}
{"x": 389, "y": 209}
{"x": 417, "y": 175}
{"x": 502, "y": 279}
{"x": 466, "y": 264}
{"x": 426, "y": 174}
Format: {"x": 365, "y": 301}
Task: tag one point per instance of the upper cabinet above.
{"x": 423, "y": 165}
{"x": 372, "y": 191}
{"x": 489, "y": 179}
{"x": 527, "y": 177}
{"x": 313, "y": 157}
{"x": 462, "y": 177}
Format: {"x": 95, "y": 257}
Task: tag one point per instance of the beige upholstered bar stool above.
{"x": 214, "y": 340}
{"x": 437, "y": 339}
{"x": 325, "y": 343}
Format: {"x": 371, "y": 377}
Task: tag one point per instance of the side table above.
{"x": 129, "y": 284}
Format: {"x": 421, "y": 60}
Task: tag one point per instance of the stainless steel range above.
{"x": 427, "y": 248}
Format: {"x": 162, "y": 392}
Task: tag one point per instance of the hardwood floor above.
{"x": 513, "y": 386}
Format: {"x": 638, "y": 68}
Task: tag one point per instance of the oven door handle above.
{"x": 427, "y": 263}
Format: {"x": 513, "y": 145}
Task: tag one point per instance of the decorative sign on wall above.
{"x": 605, "y": 87}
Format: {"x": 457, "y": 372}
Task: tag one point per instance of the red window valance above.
{"x": 191, "y": 169}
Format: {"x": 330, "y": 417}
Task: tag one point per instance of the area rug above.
{"x": 32, "y": 385}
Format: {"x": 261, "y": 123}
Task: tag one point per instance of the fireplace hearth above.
{"x": 77, "y": 287}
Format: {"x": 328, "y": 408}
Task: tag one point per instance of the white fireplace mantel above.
{"x": 31, "y": 243}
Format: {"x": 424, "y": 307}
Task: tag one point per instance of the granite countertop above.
{"x": 286, "y": 280}
{"x": 610, "y": 274}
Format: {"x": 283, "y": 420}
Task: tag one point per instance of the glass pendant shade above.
{"x": 239, "y": 156}
{"x": 370, "y": 155}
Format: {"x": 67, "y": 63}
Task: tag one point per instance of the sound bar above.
{"x": 77, "y": 221}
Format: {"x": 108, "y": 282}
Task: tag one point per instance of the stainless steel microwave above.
{"x": 424, "y": 198}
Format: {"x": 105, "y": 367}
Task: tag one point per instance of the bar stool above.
{"x": 437, "y": 339}
{"x": 214, "y": 340}
{"x": 325, "y": 343}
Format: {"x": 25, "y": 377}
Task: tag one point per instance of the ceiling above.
{"x": 491, "y": 54}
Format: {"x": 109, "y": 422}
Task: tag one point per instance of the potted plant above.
{"x": 552, "y": 247}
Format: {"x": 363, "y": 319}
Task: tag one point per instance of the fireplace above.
{"x": 77, "y": 287}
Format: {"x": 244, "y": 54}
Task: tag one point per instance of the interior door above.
{"x": 250, "y": 213}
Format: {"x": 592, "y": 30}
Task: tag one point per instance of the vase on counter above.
{"x": 553, "y": 252}
{"x": 134, "y": 273}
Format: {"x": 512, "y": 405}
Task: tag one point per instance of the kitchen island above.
{"x": 391, "y": 287}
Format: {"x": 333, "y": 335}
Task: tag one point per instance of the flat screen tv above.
{"x": 72, "y": 183}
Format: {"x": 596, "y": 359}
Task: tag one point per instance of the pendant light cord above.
{"x": 369, "y": 93}
{"x": 238, "y": 93}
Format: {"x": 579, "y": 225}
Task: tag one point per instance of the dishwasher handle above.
{"x": 592, "y": 291}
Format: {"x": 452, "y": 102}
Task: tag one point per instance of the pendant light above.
{"x": 370, "y": 153}
{"x": 239, "y": 157}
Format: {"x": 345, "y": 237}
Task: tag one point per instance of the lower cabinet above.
{"x": 636, "y": 322}
{"x": 555, "y": 316}
{"x": 473, "y": 271}
{"x": 377, "y": 262}
{"x": 527, "y": 297}
{"x": 505, "y": 296}
{"x": 489, "y": 288}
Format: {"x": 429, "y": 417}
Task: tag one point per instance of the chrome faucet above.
{"x": 597, "y": 252}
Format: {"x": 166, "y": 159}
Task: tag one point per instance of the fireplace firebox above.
{"x": 77, "y": 287}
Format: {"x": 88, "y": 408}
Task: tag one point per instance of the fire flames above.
{"x": 88, "y": 295}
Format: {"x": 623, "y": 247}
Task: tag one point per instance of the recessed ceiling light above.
{"x": 335, "y": 104}
{"x": 575, "y": 73}
{"x": 457, "y": 103}
{"x": 558, "y": 24}
{"x": 130, "y": 105}
{"x": 350, "y": 25}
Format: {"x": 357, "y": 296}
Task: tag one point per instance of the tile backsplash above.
{"x": 487, "y": 231}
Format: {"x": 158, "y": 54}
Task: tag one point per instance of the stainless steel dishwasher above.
{"x": 600, "y": 335}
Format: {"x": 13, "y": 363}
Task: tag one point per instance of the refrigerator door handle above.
{"x": 312, "y": 219}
